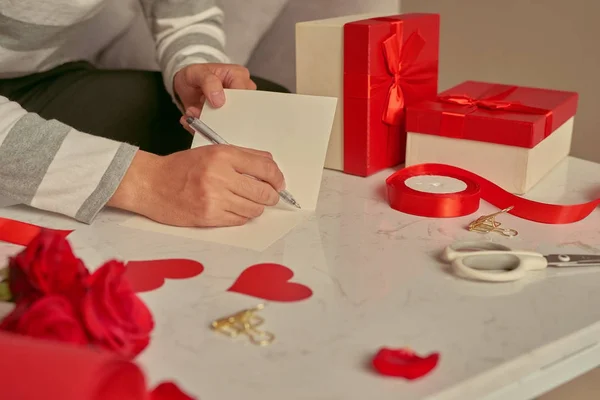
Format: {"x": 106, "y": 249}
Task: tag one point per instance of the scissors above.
{"x": 493, "y": 262}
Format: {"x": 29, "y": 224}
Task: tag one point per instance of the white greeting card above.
{"x": 295, "y": 129}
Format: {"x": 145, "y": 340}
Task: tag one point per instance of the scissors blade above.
{"x": 573, "y": 260}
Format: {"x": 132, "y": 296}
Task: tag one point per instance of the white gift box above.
{"x": 347, "y": 58}
{"x": 510, "y": 135}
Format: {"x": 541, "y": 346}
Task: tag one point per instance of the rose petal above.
{"x": 169, "y": 391}
{"x": 404, "y": 363}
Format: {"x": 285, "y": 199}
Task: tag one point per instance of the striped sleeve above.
{"x": 186, "y": 32}
{"x": 51, "y": 166}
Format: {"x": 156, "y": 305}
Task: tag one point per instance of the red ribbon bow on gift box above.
{"x": 496, "y": 102}
{"x": 398, "y": 58}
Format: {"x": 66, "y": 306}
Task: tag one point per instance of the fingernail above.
{"x": 217, "y": 98}
{"x": 189, "y": 113}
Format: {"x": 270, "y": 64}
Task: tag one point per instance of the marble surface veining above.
{"x": 377, "y": 281}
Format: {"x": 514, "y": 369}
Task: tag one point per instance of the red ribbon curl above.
{"x": 21, "y": 233}
{"x": 410, "y": 201}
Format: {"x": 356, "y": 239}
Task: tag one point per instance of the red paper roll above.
{"x": 37, "y": 369}
{"x": 33, "y": 369}
{"x": 410, "y": 201}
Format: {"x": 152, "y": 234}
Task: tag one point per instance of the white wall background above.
{"x": 544, "y": 43}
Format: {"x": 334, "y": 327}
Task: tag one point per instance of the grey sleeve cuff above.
{"x": 108, "y": 184}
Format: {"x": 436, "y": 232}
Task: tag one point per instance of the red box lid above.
{"x": 488, "y": 112}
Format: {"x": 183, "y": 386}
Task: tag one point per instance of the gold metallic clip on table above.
{"x": 488, "y": 223}
{"x": 245, "y": 322}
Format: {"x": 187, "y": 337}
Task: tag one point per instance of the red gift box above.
{"x": 495, "y": 113}
{"x": 389, "y": 63}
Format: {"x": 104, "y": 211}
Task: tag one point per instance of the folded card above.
{"x": 295, "y": 129}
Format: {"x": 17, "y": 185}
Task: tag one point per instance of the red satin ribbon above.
{"x": 21, "y": 233}
{"x": 497, "y": 103}
{"x": 398, "y": 57}
{"x": 410, "y": 201}
{"x": 382, "y": 75}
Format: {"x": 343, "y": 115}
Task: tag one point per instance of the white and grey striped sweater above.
{"x": 54, "y": 167}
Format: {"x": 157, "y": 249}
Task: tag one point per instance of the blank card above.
{"x": 295, "y": 129}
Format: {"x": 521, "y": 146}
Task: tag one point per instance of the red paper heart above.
{"x": 270, "y": 282}
{"x": 145, "y": 276}
{"x": 21, "y": 233}
{"x": 404, "y": 363}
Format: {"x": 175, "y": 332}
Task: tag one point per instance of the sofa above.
{"x": 260, "y": 33}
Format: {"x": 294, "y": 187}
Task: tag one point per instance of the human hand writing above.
{"x": 208, "y": 186}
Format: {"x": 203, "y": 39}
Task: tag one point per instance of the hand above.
{"x": 205, "y": 187}
{"x": 197, "y": 82}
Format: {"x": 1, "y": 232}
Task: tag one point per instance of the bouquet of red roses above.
{"x": 58, "y": 299}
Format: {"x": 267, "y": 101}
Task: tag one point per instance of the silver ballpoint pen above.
{"x": 214, "y": 137}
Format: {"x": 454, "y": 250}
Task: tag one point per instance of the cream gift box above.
{"x": 375, "y": 66}
{"x": 510, "y": 135}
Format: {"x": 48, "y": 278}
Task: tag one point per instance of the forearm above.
{"x": 138, "y": 187}
{"x": 186, "y": 32}
{"x": 53, "y": 167}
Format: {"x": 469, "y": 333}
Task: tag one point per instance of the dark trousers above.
{"x": 124, "y": 105}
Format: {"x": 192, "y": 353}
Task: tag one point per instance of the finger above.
{"x": 237, "y": 77}
{"x": 244, "y": 207}
{"x": 211, "y": 87}
{"x": 184, "y": 123}
{"x": 193, "y": 112}
{"x": 191, "y": 97}
{"x": 254, "y": 191}
{"x": 256, "y": 152}
{"x": 259, "y": 167}
{"x": 239, "y": 83}
{"x": 251, "y": 85}
{"x": 226, "y": 218}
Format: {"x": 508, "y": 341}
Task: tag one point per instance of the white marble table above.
{"x": 376, "y": 282}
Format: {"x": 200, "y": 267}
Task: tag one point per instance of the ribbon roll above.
{"x": 446, "y": 205}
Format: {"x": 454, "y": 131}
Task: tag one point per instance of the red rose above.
{"x": 51, "y": 318}
{"x": 47, "y": 266}
{"x": 113, "y": 314}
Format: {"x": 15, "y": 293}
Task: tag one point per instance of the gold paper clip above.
{"x": 244, "y": 322}
{"x": 488, "y": 223}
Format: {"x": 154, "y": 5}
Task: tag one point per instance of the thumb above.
{"x": 210, "y": 85}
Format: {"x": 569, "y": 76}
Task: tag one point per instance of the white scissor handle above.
{"x": 477, "y": 260}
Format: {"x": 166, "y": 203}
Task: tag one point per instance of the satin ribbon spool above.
{"x": 446, "y": 205}
{"x": 408, "y": 200}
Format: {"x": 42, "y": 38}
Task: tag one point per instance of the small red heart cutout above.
{"x": 145, "y": 276}
{"x": 270, "y": 282}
